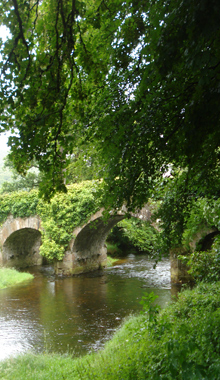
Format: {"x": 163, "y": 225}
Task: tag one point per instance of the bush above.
{"x": 204, "y": 265}
{"x": 137, "y": 234}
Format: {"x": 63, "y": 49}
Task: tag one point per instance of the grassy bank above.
{"x": 111, "y": 261}
{"x": 182, "y": 342}
{"x": 10, "y": 277}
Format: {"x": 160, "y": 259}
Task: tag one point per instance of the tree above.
{"x": 46, "y": 79}
{"x": 138, "y": 80}
{"x": 18, "y": 181}
{"x": 172, "y": 118}
{"x": 83, "y": 165}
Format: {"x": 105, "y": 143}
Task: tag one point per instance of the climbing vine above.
{"x": 19, "y": 204}
{"x": 64, "y": 213}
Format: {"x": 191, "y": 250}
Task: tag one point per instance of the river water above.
{"x": 77, "y": 314}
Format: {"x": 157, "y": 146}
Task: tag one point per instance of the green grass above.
{"x": 11, "y": 277}
{"x": 180, "y": 343}
{"x": 111, "y": 261}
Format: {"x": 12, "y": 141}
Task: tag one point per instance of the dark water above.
{"x": 77, "y": 314}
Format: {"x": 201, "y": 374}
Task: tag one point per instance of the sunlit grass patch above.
{"x": 10, "y": 277}
{"x": 38, "y": 367}
{"x": 111, "y": 261}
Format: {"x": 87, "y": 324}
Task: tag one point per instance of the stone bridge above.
{"x": 20, "y": 240}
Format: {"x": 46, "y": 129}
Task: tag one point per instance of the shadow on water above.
{"x": 77, "y": 314}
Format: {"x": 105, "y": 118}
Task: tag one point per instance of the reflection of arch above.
{"x": 20, "y": 242}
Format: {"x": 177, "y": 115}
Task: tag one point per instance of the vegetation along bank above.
{"x": 182, "y": 342}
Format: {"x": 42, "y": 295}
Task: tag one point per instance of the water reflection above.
{"x": 77, "y": 314}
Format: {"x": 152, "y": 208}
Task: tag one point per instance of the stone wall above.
{"x": 178, "y": 271}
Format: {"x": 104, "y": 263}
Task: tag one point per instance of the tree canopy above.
{"x": 137, "y": 81}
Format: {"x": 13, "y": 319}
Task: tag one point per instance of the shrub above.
{"x": 136, "y": 233}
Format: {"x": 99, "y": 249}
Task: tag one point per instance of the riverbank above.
{"x": 10, "y": 277}
{"x": 181, "y": 342}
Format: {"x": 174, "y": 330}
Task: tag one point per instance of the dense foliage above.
{"x": 64, "y": 213}
{"x": 137, "y": 80}
{"x": 201, "y": 240}
{"x": 19, "y": 204}
{"x": 135, "y": 233}
{"x": 59, "y": 217}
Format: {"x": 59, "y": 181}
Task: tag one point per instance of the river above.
{"x": 77, "y": 314}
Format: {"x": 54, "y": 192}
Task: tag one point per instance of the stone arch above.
{"x": 206, "y": 242}
{"x": 202, "y": 241}
{"x": 90, "y": 242}
{"x": 88, "y": 252}
{"x": 21, "y": 249}
{"x": 20, "y": 242}
{"x": 203, "y": 238}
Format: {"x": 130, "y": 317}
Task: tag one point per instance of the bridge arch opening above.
{"x": 88, "y": 251}
{"x": 205, "y": 243}
{"x": 21, "y": 249}
{"x": 93, "y": 236}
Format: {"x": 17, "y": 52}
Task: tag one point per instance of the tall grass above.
{"x": 10, "y": 277}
